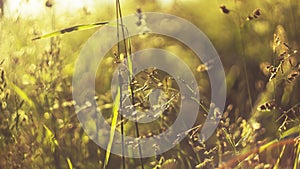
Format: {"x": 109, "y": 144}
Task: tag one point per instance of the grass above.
{"x": 257, "y": 43}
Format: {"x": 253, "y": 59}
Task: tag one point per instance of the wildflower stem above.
{"x": 122, "y": 120}
{"x": 243, "y": 54}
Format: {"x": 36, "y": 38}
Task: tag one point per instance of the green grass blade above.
{"x": 70, "y": 163}
{"x": 72, "y": 29}
{"x": 267, "y": 145}
{"x": 296, "y": 162}
{"x": 115, "y": 113}
{"x": 49, "y": 135}
{"x": 290, "y": 131}
{"x": 276, "y": 166}
{"x": 21, "y": 93}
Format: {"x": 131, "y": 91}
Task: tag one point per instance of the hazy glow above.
{"x": 36, "y": 8}
{"x": 73, "y": 5}
{"x": 15, "y": 8}
{"x": 165, "y": 2}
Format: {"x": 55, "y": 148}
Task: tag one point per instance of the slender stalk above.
{"x": 128, "y": 57}
{"x": 272, "y": 144}
{"x": 122, "y": 120}
{"x": 120, "y": 83}
{"x": 52, "y": 26}
{"x": 243, "y": 53}
{"x": 293, "y": 19}
{"x": 122, "y": 27}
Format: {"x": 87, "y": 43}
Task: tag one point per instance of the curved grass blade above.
{"x": 70, "y": 163}
{"x": 21, "y": 93}
{"x": 50, "y": 138}
{"x": 72, "y": 29}
{"x": 289, "y": 132}
{"x": 115, "y": 113}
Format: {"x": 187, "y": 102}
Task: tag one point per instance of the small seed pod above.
{"x": 292, "y": 76}
{"x": 268, "y": 106}
{"x": 138, "y": 10}
{"x": 271, "y": 68}
{"x": 49, "y": 3}
{"x": 202, "y": 68}
{"x": 224, "y": 9}
{"x": 249, "y": 17}
{"x": 256, "y": 13}
{"x": 2, "y": 78}
{"x": 2, "y": 61}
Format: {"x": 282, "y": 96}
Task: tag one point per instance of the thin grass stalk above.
{"x": 272, "y": 144}
{"x": 120, "y": 83}
{"x": 240, "y": 26}
{"x": 122, "y": 120}
{"x": 293, "y": 18}
{"x": 276, "y": 166}
{"x": 243, "y": 56}
{"x": 128, "y": 57}
{"x": 117, "y": 105}
{"x": 297, "y": 152}
{"x": 52, "y": 27}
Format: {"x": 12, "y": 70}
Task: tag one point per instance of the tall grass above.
{"x": 259, "y": 127}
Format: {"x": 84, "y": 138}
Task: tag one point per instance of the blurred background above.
{"x": 38, "y": 124}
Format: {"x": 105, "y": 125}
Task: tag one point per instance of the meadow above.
{"x": 258, "y": 43}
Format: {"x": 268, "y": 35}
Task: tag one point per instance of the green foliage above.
{"x": 115, "y": 114}
{"x": 258, "y": 42}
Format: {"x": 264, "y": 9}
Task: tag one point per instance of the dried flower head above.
{"x": 280, "y": 41}
{"x": 292, "y": 76}
{"x": 49, "y": 3}
{"x": 224, "y": 9}
{"x": 268, "y": 106}
{"x": 255, "y": 14}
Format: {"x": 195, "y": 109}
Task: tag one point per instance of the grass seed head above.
{"x": 224, "y": 9}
